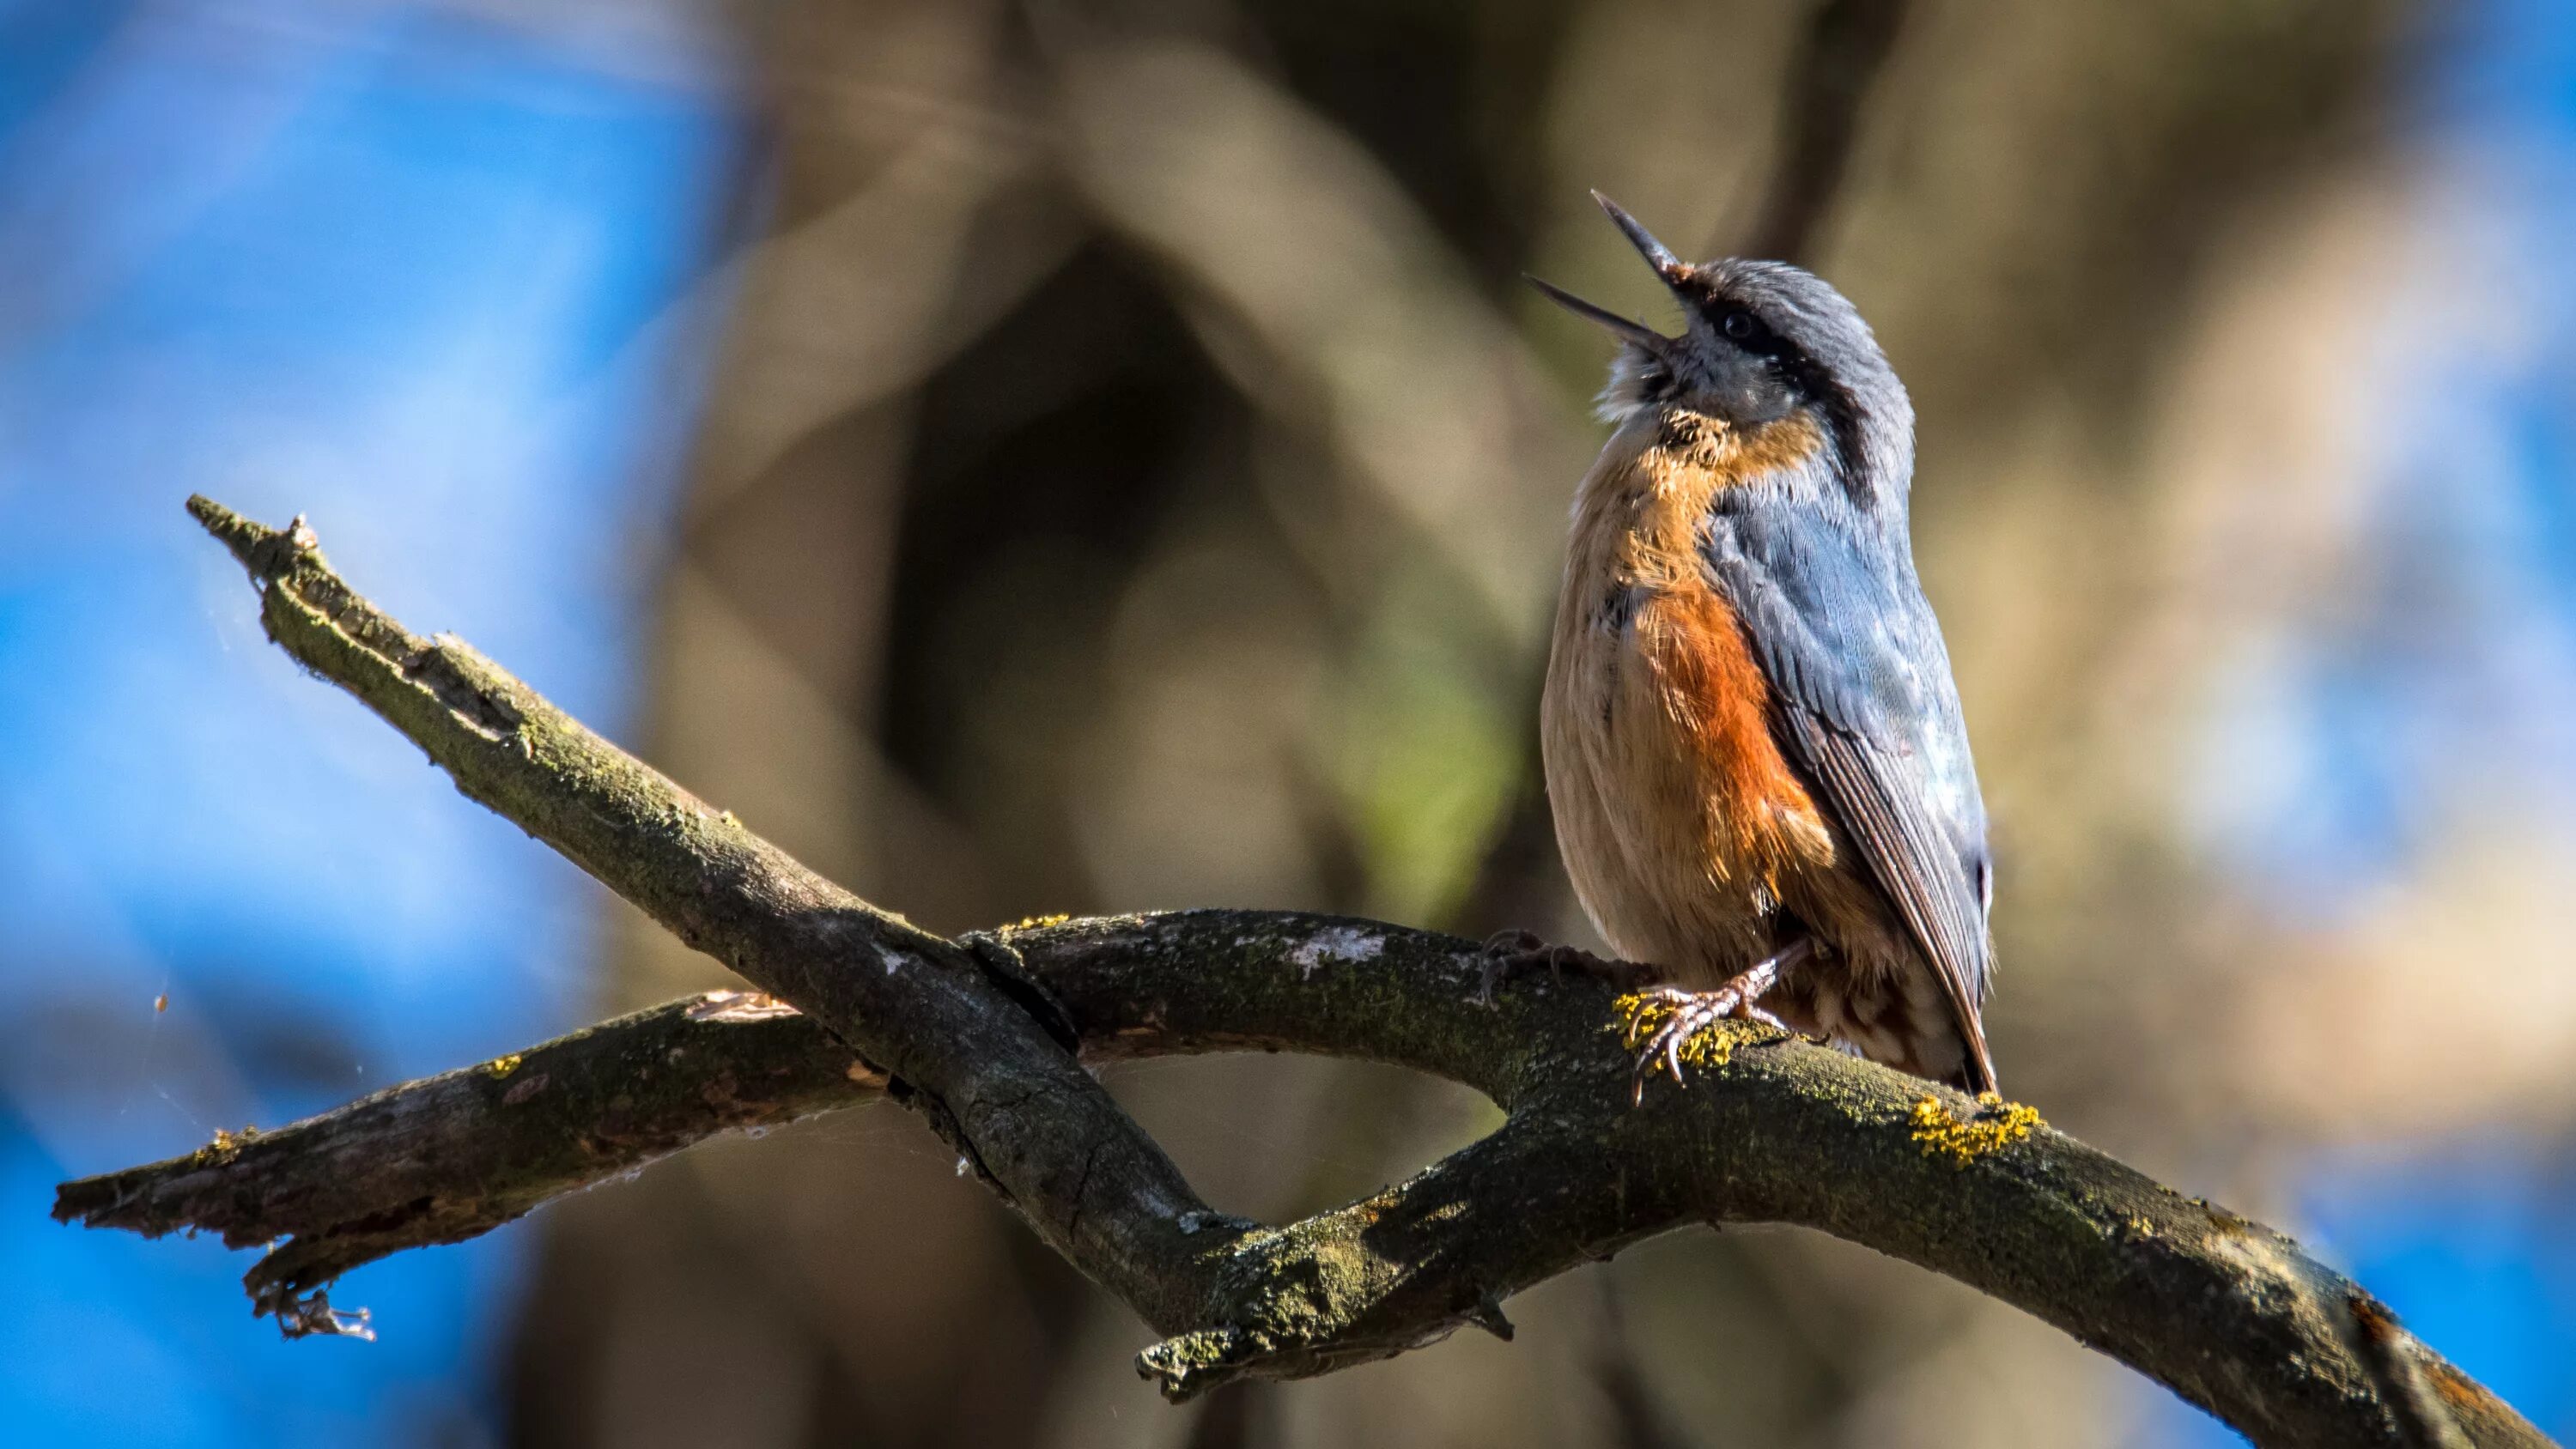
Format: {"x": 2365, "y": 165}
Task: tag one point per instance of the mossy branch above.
{"x": 2230, "y": 1314}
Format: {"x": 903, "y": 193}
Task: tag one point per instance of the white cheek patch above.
{"x": 1632, "y": 376}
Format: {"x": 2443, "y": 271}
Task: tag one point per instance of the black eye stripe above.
{"x": 1740, "y": 326}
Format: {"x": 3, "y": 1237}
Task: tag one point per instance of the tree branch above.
{"x": 1839, "y": 55}
{"x": 453, "y": 1156}
{"x": 2230, "y": 1314}
{"x": 934, "y": 1014}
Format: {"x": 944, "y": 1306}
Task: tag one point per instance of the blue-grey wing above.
{"x": 1863, "y": 704}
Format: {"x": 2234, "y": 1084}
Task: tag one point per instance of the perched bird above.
{"x": 1754, "y": 750}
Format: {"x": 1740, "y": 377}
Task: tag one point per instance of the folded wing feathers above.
{"x": 1919, "y": 870}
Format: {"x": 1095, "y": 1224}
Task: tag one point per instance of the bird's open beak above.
{"x": 1674, "y": 271}
{"x": 1637, "y": 332}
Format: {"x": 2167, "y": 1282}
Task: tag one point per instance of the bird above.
{"x": 1753, "y": 745}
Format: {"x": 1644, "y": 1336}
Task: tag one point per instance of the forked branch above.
{"x": 2232, "y": 1315}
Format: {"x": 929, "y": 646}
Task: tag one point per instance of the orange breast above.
{"x": 1757, "y": 817}
{"x": 1718, "y": 699}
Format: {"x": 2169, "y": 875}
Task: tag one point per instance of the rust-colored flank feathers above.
{"x": 1712, "y": 687}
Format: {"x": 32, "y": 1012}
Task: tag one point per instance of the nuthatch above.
{"x": 1754, "y": 751}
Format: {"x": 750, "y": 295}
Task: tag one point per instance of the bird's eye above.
{"x": 1739, "y": 325}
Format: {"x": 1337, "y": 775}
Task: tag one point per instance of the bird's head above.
{"x": 1759, "y": 342}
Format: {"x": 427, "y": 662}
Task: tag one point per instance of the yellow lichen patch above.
{"x": 1997, "y": 1125}
{"x": 1641, "y": 1015}
{"x": 502, "y": 1066}
{"x": 1036, "y": 923}
{"x": 225, "y": 1144}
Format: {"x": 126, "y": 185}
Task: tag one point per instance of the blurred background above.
{"x": 1037, "y": 455}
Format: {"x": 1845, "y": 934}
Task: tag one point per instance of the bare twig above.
{"x": 2231, "y": 1314}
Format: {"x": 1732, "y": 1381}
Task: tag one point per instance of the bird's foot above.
{"x": 1511, "y": 952}
{"x": 1693, "y": 1012}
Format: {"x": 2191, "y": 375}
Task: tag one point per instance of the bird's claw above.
{"x": 1506, "y": 952}
{"x": 1692, "y": 1013}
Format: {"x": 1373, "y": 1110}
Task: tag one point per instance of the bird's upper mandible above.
{"x": 1760, "y": 340}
